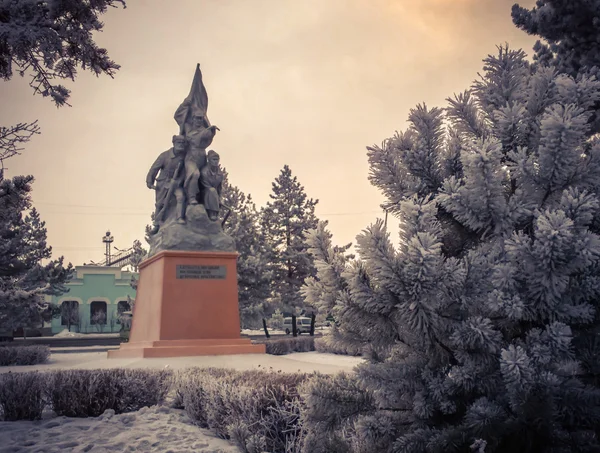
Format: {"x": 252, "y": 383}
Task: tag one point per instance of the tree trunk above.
{"x": 294, "y": 328}
{"x": 313, "y": 319}
{"x": 265, "y": 328}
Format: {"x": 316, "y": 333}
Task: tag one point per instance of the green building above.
{"x": 96, "y": 298}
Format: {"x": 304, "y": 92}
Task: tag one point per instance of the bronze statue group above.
{"x": 186, "y": 171}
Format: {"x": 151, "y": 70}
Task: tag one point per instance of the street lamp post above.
{"x": 108, "y": 239}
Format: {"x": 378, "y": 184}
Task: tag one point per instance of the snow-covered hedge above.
{"x": 88, "y": 393}
{"x": 80, "y": 393}
{"x": 258, "y": 410}
{"x": 22, "y": 396}
{"x": 287, "y": 345}
{"x": 24, "y": 355}
{"x": 328, "y": 343}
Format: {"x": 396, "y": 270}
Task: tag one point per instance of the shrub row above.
{"x": 287, "y": 345}
{"x": 258, "y": 410}
{"x": 24, "y": 355}
{"x": 80, "y": 393}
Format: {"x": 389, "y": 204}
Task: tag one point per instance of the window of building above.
{"x": 98, "y": 313}
{"x": 69, "y": 313}
{"x": 122, "y": 306}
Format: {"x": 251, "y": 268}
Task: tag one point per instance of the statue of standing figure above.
{"x": 211, "y": 179}
{"x": 166, "y": 177}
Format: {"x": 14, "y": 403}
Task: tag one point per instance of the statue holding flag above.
{"x": 191, "y": 116}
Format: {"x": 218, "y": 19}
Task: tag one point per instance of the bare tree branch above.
{"x": 13, "y": 136}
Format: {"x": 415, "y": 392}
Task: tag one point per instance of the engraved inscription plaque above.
{"x": 201, "y": 272}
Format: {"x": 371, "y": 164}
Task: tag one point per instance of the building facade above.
{"x": 96, "y": 298}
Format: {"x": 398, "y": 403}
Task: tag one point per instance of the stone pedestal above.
{"x": 198, "y": 233}
{"x": 186, "y": 305}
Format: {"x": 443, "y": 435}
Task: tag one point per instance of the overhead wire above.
{"x": 131, "y": 211}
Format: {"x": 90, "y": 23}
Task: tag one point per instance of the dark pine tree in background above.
{"x": 254, "y": 274}
{"x": 48, "y": 41}
{"x": 26, "y": 272}
{"x": 286, "y": 221}
{"x": 570, "y": 32}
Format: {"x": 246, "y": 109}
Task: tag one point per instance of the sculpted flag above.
{"x": 195, "y": 102}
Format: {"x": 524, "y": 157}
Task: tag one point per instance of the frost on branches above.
{"x": 324, "y": 292}
{"x": 570, "y": 30}
{"x": 24, "y": 279}
{"x": 482, "y": 324}
{"x": 50, "y": 39}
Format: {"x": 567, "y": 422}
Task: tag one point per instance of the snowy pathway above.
{"x": 156, "y": 429}
{"x": 300, "y": 361}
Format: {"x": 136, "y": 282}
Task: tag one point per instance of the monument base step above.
{"x": 186, "y": 348}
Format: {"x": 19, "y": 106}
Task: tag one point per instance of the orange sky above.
{"x": 308, "y": 83}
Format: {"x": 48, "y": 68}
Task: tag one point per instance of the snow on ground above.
{"x": 155, "y": 429}
{"x": 66, "y": 334}
{"x": 300, "y": 361}
{"x": 319, "y": 329}
{"x": 320, "y": 358}
{"x": 261, "y": 332}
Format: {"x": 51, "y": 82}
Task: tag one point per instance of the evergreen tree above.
{"x": 49, "y": 40}
{"x": 479, "y": 325}
{"x": 254, "y": 275}
{"x": 286, "y": 220}
{"x": 24, "y": 280}
{"x": 570, "y": 29}
{"x": 323, "y": 292}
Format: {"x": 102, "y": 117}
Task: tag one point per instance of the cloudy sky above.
{"x": 308, "y": 83}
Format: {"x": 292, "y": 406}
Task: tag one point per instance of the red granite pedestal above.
{"x": 186, "y": 305}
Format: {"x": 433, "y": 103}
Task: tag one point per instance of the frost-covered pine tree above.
{"x": 570, "y": 30}
{"x": 49, "y": 41}
{"x": 324, "y": 292}
{"x": 24, "y": 279}
{"x": 286, "y": 220}
{"x": 254, "y": 274}
{"x": 481, "y": 325}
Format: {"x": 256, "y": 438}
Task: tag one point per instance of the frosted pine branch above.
{"x": 13, "y": 136}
